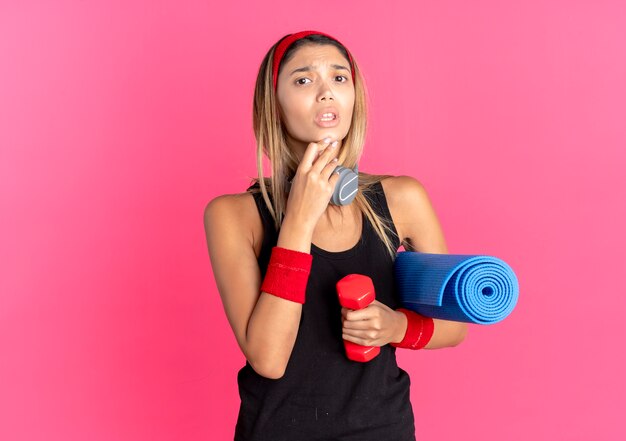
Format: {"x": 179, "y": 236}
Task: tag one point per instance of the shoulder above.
{"x": 234, "y": 215}
{"x": 403, "y": 189}
{"x": 229, "y": 202}
{"x": 413, "y": 214}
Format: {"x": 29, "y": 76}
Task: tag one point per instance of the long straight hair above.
{"x": 271, "y": 141}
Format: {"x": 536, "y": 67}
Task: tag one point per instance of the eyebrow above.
{"x": 309, "y": 68}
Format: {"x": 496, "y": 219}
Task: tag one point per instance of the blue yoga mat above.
{"x": 464, "y": 288}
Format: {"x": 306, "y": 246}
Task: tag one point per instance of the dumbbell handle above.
{"x": 356, "y": 291}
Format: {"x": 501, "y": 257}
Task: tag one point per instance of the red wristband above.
{"x": 419, "y": 330}
{"x": 287, "y": 274}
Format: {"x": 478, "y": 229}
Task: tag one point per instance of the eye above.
{"x": 342, "y": 76}
{"x": 299, "y": 80}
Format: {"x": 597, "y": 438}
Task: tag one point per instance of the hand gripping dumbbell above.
{"x": 356, "y": 291}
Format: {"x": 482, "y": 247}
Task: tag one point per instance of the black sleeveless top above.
{"x": 323, "y": 395}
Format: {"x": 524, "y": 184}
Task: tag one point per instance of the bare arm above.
{"x": 265, "y": 325}
{"x": 417, "y": 223}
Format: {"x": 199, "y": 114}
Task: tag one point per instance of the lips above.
{"x": 328, "y": 117}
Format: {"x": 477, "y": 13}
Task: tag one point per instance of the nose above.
{"x": 325, "y": 92}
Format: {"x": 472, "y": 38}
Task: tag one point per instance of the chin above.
{"x": 333, "y": 134}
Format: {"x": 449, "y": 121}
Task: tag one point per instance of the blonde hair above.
{"x": 270, "y": 139}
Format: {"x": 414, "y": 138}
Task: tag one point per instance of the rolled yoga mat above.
{"x": 464, "y": 288}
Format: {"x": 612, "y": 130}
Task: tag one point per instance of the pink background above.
{"x": 119, "y": 121}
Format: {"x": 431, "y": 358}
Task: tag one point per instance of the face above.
{"x": 314, "y": 83}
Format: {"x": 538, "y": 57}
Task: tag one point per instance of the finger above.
{"x": 309, "y": 154}
{"x": 331, "y": 150}
{"x": 360, "y": 325}
{"x": 353, "y": 339}
{"x": 312, "y": 151}
{"x": 358, "y": 315}
{"x": 333, "y": 180}
{"x": 326, "y": 156}
{"x": 329, "y": 169}
{"x": 324, "y": 144}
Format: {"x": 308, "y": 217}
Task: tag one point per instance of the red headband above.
{"x": 287, "y": 41}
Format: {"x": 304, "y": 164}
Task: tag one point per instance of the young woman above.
{"x": 278, "y": 250}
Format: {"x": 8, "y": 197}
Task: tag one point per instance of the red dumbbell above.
{"x": 356, "y": 291}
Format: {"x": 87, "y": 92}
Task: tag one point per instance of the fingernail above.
{"x": 334, "y": 144}
{"x": 326, "y": 140}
